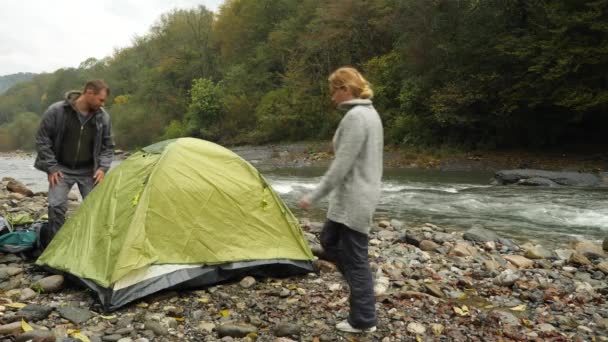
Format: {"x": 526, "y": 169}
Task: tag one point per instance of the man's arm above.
{"x": 107, "y": 147}
{"x": 47, "y": 160}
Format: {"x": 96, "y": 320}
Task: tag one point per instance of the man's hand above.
{"x": 54, "y": 178}
{"x": 305, "y": 203}
{"x": 99, "y": 175}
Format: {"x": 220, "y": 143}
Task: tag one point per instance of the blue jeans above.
{"x": 348, "y": 249}
{"x": 58, "y": 195}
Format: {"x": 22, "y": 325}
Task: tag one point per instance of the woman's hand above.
{"x": 304, "y": 203}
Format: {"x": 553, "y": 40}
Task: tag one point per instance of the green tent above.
{"x": 180, "y": 213}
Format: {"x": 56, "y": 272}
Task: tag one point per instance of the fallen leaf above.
{"x": 181, "y": 319}
{"x": 107, "y": 317}
{"x": 26, "y": 327}
{"x": 225, "y": 313}
{"x": 15, "y": 305}
{"x": 519, "y": 308}
{"x": 462, "y": 311}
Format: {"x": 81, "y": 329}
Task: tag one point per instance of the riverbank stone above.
{"x": 480, "y": 235}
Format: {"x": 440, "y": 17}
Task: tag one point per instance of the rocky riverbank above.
{"x": 431, "y": 285}
{"x": 319, "y": 153}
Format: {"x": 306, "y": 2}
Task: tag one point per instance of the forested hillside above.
{"x": 467, "y": 73}
{"x": 8, "y": 81}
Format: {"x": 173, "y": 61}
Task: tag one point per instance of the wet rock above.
{"x": 603, "y": 266}
{"x": 384, "y": 224}
{"x": 545, "y": 327}
{"x": 247, "y": 282}
{"x": 412, "y": 239}
{"x": 538, "y": 252}
{"x": 6, "y": 329}
{"x": 605, "y": 244}
{"x": 463, "y": 249}
{"x": 506, "y": 278}
{"x": 416, "y": 328}
{"x": 235, "y": 330}
{"x": 428, "y": 246}
{"x": 500, "y": 318}
{"x": 434, "y": 290}
{"x": 579, "y": 259}
{"x": 519, "y": 261}
{"x": 563, "y": 254}
{"x": 18, "y": 187}
{"x": 440, "y": 238}
{"x": 27, "y": 294}
{"x": 287, "y": 329}
{"x": 111, "y": 338}
{"x": 33, "y": 312}
{"x": 36, "y": 335}
{"x": 75, "y": 315}
{"x": 156, "y": 327}
{"x": 16, "y": 196}
{"x": 50, "y": 284}
{"x": 480, "y": 235}
{"x": 206, "y": 327}
{"x": 13, "y": 271}
{"x": 588, "y": 248}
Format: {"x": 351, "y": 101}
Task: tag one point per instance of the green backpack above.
{"x": 17, "y": 239}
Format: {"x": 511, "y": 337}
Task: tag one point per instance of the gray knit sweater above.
{"x": 355, "y": 175}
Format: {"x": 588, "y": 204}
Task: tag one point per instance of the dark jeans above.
{"x": 348, "y": 249}
{"x": 58, "y": 196}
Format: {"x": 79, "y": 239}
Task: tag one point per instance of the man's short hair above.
{"x": 96, "y": 86}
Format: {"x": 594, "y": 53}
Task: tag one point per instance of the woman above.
{"x": 354, "y": 179}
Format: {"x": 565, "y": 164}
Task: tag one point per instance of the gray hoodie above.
{"x": 355, "y": 175}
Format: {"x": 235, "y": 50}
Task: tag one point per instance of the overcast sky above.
{"x": 45, "y": 35}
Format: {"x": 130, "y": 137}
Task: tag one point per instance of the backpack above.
{"x": 29, "y": 239}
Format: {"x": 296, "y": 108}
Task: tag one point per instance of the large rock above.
{"x": 20, "y": 188}
{"x": 287, "y": 329}
{"x": 428, "y": 245}
{"x": 463, "y": 249}
{"x": 236, "y": 330}
{"x": 588, "y": 248}
{"x": 506, "y": 278}
{"x": 602, "y": 266}
{"x": 416, "y": 328}
{"x": 247, "y": 282}
{"x": 477, "y": 234}
{"x": 434, "y": 290}
{"x": 538, "y": 252}
{"x": 579, "y": 259}
{"x": 75, "y": 315}
{"x": 541, "y": 177}
{"x": 499, "y": 318}
{"x": 33, "y": 313}
{"x": 519, "y": 261}
{"x": 50, "y": 284}
{"x": 36, "y": 335}
{"x": 156, "y": 327}
{"x": 10, "y": 328}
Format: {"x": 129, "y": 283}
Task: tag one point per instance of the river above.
{"x": 454, "y": 200}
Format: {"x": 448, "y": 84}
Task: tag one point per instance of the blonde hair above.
{"x": 353, "y": 80}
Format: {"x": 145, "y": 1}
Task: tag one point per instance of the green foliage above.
{"x": 20, "y": 133}
{"x": 464, "y": 73}
{"x": 204, "y": 111}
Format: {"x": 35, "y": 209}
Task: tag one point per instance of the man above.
{"x": 75, "y": 146}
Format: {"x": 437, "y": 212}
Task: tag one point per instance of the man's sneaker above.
{"x": 346, "y": 327}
